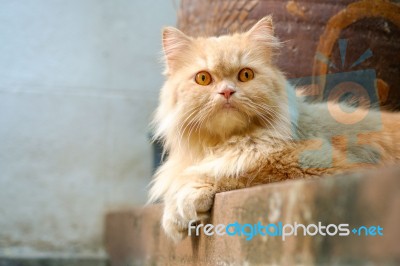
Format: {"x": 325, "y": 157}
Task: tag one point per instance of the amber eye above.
{"x": 203, "y": 78}
{"x": 245, "y": 74}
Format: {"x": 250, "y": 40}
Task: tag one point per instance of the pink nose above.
{"x": 227, "y": 93}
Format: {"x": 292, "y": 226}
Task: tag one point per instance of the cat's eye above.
{"x": 245, "y": 74}
{"x": 203, "y": 78}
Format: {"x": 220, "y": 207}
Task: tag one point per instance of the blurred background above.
{"x": 79, "y": 81}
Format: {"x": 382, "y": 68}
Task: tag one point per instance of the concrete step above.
{"x": 53, "y": 261}
{"x": 370, "y": 199}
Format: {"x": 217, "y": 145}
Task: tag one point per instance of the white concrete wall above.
{"x": 79, "y": 80}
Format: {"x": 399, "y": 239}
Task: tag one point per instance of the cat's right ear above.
{"x": 263, "y": 33}
{"x": 174, "y": 42}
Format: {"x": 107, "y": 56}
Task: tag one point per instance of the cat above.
{"x": 227, "y": 121}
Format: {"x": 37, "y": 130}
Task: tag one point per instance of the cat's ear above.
{"x": 263, "y": 32}
{"x": 174, "y": 42}
{"x": 262, "y": 28}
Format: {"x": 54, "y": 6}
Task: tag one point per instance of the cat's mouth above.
{"x": 228, "y": 106}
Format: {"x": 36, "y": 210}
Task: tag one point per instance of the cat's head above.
{"x": 219, "y": 86}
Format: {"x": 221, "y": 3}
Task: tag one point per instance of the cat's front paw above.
{"x": 175, "y": 227}
{"x": 192, "y": 202}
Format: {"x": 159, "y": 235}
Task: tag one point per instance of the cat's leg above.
{"x": 249, "y": 161}
{"x": 241, "y": 163}
{"x": 190, "y": 200}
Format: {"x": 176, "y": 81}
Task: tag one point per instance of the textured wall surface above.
{"x": 313, "y": 33}
{"x": 78, "y": 83}
{"x": 134, "y": 237}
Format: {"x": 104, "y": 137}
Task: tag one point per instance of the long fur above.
{"x": 265, "y": 137}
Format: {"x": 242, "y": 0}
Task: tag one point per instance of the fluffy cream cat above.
{"x": 227, "y": 122}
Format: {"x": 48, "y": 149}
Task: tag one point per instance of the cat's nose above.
{"x": 227, "y": 92}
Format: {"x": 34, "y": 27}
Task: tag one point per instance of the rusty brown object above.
{"x": 135, "y": 237}
{"x": 309, "y": 27}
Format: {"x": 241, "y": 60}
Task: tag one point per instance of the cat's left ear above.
{"x": 263, "y": 31}
{"x": 174, "y": 43}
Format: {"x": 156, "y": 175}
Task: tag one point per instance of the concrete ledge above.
{"x": 53, "y": 262}
{"x": 134, "y": 237}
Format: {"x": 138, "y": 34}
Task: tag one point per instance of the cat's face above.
{"x": 222, "y": 85}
